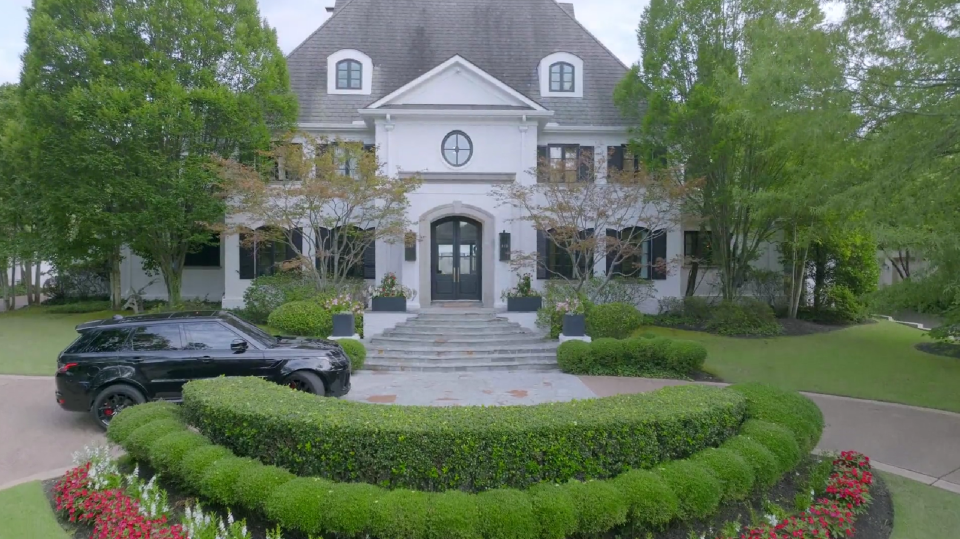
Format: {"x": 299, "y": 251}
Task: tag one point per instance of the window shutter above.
{"x": 542, "y": 164}
{"x": 323, "y": 247}
{"x": 296, "y": 246}
{"x": 611, "y": 233}
{"x": 586, "y": 164}
{"x": 248, "y": 266}
{"x": 615, "y": 158}
{"x": 370, "y": 261}
{"x": 541, "y": 255}
{"x": 321, "y": 149}
{"x": 658, "y": 251}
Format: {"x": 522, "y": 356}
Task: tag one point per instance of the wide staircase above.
{"x": 460, "y": 341}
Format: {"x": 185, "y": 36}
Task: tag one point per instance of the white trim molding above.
{"x": 544, "y": 72}
{"x": 366, "y": 86}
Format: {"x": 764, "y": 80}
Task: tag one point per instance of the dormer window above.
{"x": 562, "y": 77}
{"x": 349, "y": 75}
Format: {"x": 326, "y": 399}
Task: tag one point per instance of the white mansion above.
{"x": 468, "y": 94}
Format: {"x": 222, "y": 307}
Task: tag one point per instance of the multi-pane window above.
{"x": 564, "y": 163}
{"x": 347, "y": 163}
{"x": 564, "y": 261}
{"x": 698, "y": 246}
{"x": 635, "y": 251}
{"x": 208, "y": 255}
{"x": 349, "y": 75}
{"x": 562, "y": 77}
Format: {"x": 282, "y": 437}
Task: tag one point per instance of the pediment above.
{"x": 456, "y": 83}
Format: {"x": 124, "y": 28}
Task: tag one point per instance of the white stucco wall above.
{"x": 198, "y": 283}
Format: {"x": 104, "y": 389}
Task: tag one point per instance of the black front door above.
{"x": 455, "y": 261}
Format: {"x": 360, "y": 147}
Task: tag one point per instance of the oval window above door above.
{"x": 457, "y": 148}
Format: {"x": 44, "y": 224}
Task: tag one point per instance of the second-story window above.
{"x": 562, "y": 77}
{"x": 349, "y": 75}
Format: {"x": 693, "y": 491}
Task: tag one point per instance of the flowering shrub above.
{"x": 390, "y": 288}
{"x": 343, "y": 303}
{"x": 126, "y": 507}
{"x": 848, "y": 495}
{"x": 571, "y": 306}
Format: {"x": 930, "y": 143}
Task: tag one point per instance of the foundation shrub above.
{"x": 651, "y": 503}
{"x": 302, "y": 318}
{"x": 599, "y": 504}
{"x": 442, "y": 448}
{"x": 695, "y": 486}
{"x": 355, "y": 351}
{"x": 256, "y": 484}
{"x": 789, "y": 409}
{"x": 613, "y": 320}
{"x": 606, "y": 355}
{"x": 554, "y": 509}
{"x": 400, "y": 514}
{"x": 777, "y": 439}
{"x": 219, "y": 481}
{"x": 632, "y": 357}
{"x": 574, "y": 357}
{"x": 731, "y": 469}
{"x": 766, "y": 470}
{"x": 507, "y": 514}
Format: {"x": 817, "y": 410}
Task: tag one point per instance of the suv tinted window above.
{"x": 208, "y": 336}
{"x": 158, "y": 337}
{"x": 106, "y": 340}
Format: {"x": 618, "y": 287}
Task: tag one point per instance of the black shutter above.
{"x": 323, "y": 247}
{"x": 248, "y": 265}
{"x": 586, "y": 164}
{"x": 658, "y": 251}
{"x": 611, "y": 254}
{"x": 542, "y": 164}
{"x": 296, "y": 246}
{"x": 614, "y": 158}
{"x": 321, "y": 149}
{"x": 541, "y": 255}
{"x": 370, "y": 261}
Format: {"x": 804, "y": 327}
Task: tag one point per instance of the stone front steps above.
{"x": 460, "y": 341}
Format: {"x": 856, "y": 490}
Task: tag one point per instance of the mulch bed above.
{"x": 940, "y": 349}
{"x": 877, "y": 523}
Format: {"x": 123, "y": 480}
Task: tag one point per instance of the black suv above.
{"x": 121, "y": 362}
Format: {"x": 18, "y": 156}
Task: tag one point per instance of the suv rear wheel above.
{"x": 112, "y": 400}
{"x": 307, "y": 382}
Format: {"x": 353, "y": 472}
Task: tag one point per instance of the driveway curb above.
{"x": 42, "y": 476}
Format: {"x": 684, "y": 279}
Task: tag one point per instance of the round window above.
{"x": 457, "y": 148}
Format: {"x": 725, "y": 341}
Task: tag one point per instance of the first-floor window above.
{"x": 698, "y": 246}
{"x": 642, "y": 253}
{"x": 338, "y": 248}
{"x": 264, "y": 252}
{"x": 565, "y": 261}
{"x": 206, "y": 256}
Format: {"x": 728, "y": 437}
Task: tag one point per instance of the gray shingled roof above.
{"x": 407, "y": 38}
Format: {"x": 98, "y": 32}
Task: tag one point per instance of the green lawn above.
{"x": 874, "y": 361}
{"x": 921, "y": 511}
{"x": 25, "y": 514}
{"x": 31, "y": 338}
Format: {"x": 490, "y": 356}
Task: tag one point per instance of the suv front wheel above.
{"x": 307, "y": 382}
{"x": 112, "y": 400}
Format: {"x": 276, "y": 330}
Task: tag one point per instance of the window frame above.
{"x": 562, "y": 70}
{"x": 349, "y": 63}
{"x": 457, "y": 150}
{"x": 645, "y": 265}
{"x": 203, "y": 258}
{"x": 698, "y": 244}
{"x": 554, "y": 173}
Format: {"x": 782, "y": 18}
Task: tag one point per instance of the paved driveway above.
{"x": 36, "y": 436}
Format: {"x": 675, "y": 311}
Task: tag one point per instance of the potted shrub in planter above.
{"x": 574, "y": 317}
{"x": 523, "y": 298}
{"x": 390, "y": 296}
{"x": 347, "y": 316}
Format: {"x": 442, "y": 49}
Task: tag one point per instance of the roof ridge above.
{"x": 589, "y": 33}
{"x": 315, "y": 32}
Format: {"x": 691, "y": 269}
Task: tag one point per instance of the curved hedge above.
{"x": 468, "y": 448}
{"x": 631, "y": 357}
{"x": 632, "y": 504}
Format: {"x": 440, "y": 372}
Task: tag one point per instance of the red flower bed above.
{"x": 114, "y": 515}
{"x": 848, "y": 495}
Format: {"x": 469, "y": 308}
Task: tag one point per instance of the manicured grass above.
{"x": 921, "y": 511}
{"x": 873, "y": 361}
{"x": 25, "y": 514}
{"x": 31, "y": 338}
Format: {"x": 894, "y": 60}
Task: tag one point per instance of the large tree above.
{"x": 727, "y": 94}
{"x": 130, "y": 101}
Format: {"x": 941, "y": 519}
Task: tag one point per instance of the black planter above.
{"x": 343, "y": 325}
{"x": 390, "y": 305}
{"x": 524, "y": 305}
{"x": 574, "y": 325}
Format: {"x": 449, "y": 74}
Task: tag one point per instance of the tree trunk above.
{"x": 819, "y": 276}
{"x": 36, "y": 283}
{"x": 26, "y": 275}
{"x": 116, "y": 293}
{"x": 4, "y": 286}
{"x": 692, "y": 279}
{"x": 174, "y": 281}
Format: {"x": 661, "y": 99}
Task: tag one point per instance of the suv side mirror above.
{"x": 239, "y": 345}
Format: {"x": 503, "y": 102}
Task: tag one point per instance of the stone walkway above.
{"x": 37, "y": 438}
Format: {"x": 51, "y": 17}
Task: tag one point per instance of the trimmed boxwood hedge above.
{"x": 631, "y": 357}
{"x": 632, "y": 504}
{"x": 466, "y": 448}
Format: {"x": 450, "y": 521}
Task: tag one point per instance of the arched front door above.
{"x": 455, "y": 259}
